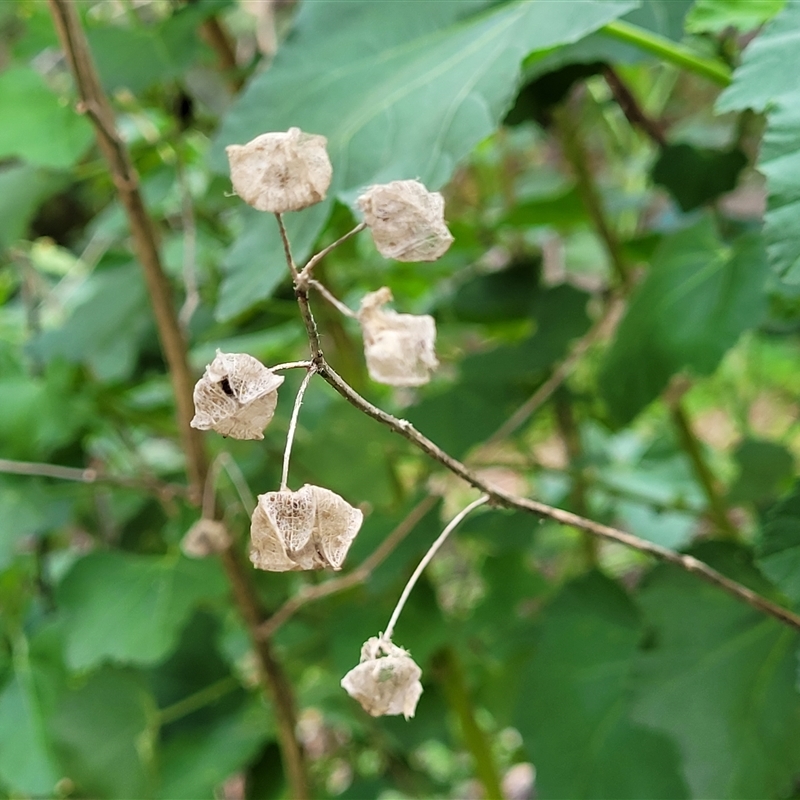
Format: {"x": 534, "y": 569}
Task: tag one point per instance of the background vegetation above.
{"x": 622, "y": 181}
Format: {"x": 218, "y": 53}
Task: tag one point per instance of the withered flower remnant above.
{"x": 236, "y": 396}
{"x": 386, "y": 681}
{"x": 280, "y": 172}
{"x": 406, "y": 220}
{"x": 206, "y": 537}
{"x": 311, "y": 528}
{"x": 399, "y": 348}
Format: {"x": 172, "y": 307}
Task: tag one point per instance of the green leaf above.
{"x": 462, "y": 74}
{"x": 778, "y": 546}
{"x": 765, "y": 81}
{"x": 194, "y": 763}
{"x": 506, "y": 295}
{"x": 107, "y": 326}
{"x": 720, "y": 680}
{"x": 697, "y": 299}
{"x": 696, "y": 175}
{"x": 23, "y": 187}
{"x": 30, "y": 114}
{"x": 135, "y": 57}
{"x": 105, "y": 732}
{"x": 131, "y": 608}
{"x": 493, "y": 384}
{"x": 766, "y": 469}
{"x": 28, "y": 764}
{"x": 714, "y": 16}
{"x": 574, "y": 710}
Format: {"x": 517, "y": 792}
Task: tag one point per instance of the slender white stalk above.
{"x": 335, "y": 302}
{"x": 291, "y": 365}
{"x": 314, "y": 260}
{"x": 293, "y": 427}
{"x": 426, "y": 559}
{"x": 239, "y": 482}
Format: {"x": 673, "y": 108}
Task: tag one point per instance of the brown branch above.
{"x": 309, "y": 594}
{"x": 164, "y": 491}
{"x": 631, "y": 108}
{"x": 98, "y": 108}
{"x": 405, "y": 429}
{"x": 213, "y": 31}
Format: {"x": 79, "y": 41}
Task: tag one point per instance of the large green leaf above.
{"x": 105, "y": 733}
{"x": 31, "y": 113}
{"x": 195, "y": 762}
{"x": 131, "y": 608}
{"x": 720, "y": 679}
{"x": 398, "y": 95}
{"x": 714, "y": 16}
{"x": 493, "y": 384}
{"x": 779, "y": 546}
{"x": 22, "y": 189}
{"x": 108, "y": 323}
{"x": 698, "y": 297}
{"x": 574, "y": 711}
{"x": 766, "y": 81}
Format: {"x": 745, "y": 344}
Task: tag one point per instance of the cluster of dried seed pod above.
{"x": 311, "y": 528}
{"x": 386, "y": 680}
{"x": 399, "y": 348}
{"x": 236, "y": 396}
{"x": 314, "y": 527}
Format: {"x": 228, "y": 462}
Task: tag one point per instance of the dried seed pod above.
{"x": 399, "y": 348}
{"x": 311, "y": 528}
{"x": 280, "y": 172}
{"x": 386, "y": 681}
{"x": 406, "y": 220}
{"x": 204, "y": 538}
{"x": 236, "y": 396}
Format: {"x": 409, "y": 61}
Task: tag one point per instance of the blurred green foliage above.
{"x": 125, "y": 670}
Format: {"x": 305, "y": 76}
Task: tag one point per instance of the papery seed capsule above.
{"x": 311, "y": 528}
{"x": 386, "y": 682}
{"x": 206, "y": 537}
{"x": 236, "y": 396}
{"x": 280, "y": 172}
{"x": 406, "y": 221}
{"x": 399, "y": 348}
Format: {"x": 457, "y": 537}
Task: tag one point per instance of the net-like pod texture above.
{"x": 311, "y": 528}
{"x": 406, "y": 221}
{"x": 399, "y": 348}
{"x": 236, "y": 396}
{"x": 386, "y": 681}
{"x": 280, "y": 172}
{"x": 204, "y": 538}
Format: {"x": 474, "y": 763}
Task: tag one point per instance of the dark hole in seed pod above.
{"x": 226, "y": 387}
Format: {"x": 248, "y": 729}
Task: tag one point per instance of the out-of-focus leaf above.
{"x": 714, "y": 16}
{"x": 28, "y": 763}
{"x": 562, "y": 211}
{"x": 137, "y": 57}
{"x": 463, "y": 74}
{"x": 131, "y": 608}
{"x": 23, "y": 187}
{"x": 493, "y": 384}
{"x": 573, "y": 709}
{"x": 766, "y": 469}
{"x": 697, "y": 175}
{"x": 765, "y": 81}
{"x": 194, "y": 763}
{"x": 31, "y": 113}
{"x": 106, "y": 327}
{"x": 778, "y": 547}
{"x": 720, "y": 679}
{"x": 27, "y": 507}
{"x": 499, "y": 296}
{"x": 105, "y": 733}
{"x": 696, "y": 301}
